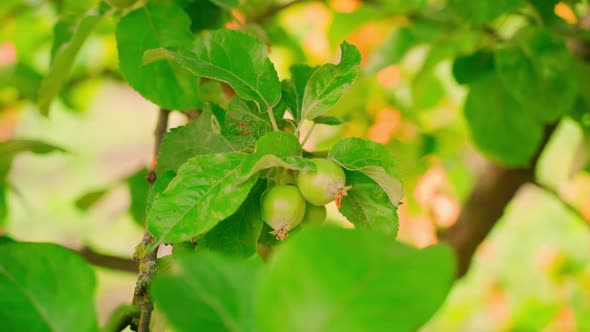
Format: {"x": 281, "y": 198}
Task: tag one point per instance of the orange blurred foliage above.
{"x": 389, "y": 77}
{"x": 565, "y": 321}
{"x": 387, "y": 121}
{"x": 498, "y": 307}
{"x": 7, "y": 53}
{"x": 564, "y": 11}
{"x": 367, "y": 38}
{"x": 345, "y": 6}
{"x": 8, "y": 120}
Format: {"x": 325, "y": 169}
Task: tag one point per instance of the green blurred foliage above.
{"x": 468, "y": 78}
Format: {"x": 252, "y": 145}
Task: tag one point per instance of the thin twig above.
{"x": 273, "y": 121}
{"x": 147, "y": 260}
{"x": 308, "y": 134}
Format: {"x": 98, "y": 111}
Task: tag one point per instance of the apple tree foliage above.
{"x": 212, "y": 172}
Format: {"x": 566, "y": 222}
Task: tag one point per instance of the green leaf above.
{"x": 343, "y": 24}
{"x": 63, "y": 30}
{"x": 275, "y": 149}
{"x": 367, "y": 205}
{"x": 162, "y": 182}
{"x": 45, "y": 287}
{"x": 538, "y": 70}
{"x": 165, "y": 83}
{"x": 22, "y": 77}
{"x": 87, "y": 200}
{"x": 138, "y": 192}
{"x": 329, "y": 82}
{"x": 583, "y": 78}
{"x": 361, "y": 281}
{"x": 205, "y": 192}
{"x": 279, "y": 36}
{"x": 467, "y": 68}
{"x": 15, "y": 146}
{"x": 499, "y": 125}
{"x": 204, "y": 14}
{"x": 227, "y": 4}
{"x": 63, "y": 61}
{"x": 196, "y": 138}
{"x": 479, "y": 12}
{"x": 231, "y": 57}
{"x": 243, "y": 119}
{"x": 258, "y": 162}
{"x": 427, "y": 89}
{"x": 76, "y": 7}
{"x": 393, "y": 49}
{"x": 3, "y": 205}
{"x": 4, "y": 239}
{"x": 328, "y": 120}
{"x": 371, "y": 159}
{"x": 209, "y": 293}
{"x": 238, "y": 234}
{"x": 7, "y": 6}
{"x": 279, "y": 143}
{"x": 546, "y": 9}
{"x": 294, "y": 88}
{"x": 9, "y": 149}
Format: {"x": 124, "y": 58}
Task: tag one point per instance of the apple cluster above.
{"x": 286, "y": 206}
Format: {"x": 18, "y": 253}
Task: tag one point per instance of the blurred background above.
{"x": 532, "y": 273}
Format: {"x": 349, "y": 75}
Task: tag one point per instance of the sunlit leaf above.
{"x": 215, "y": 55}
{"x": 63, "y": 61}
{"x": 196, "y": 138}
{"x": 206, "y": 191}
{"x": 165, "y": 83}
{"x": 237, "y": 235}
{"x": 371, "y": 159}
{"x": 329, "y": 82}
{"x": 361, "y": 281}
{"x": 367, "y": 205}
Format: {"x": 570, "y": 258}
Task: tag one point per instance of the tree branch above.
{"x": 494, "y": 189}
{"x": 110, "y": 262}
{"x": 120, "y": 318}
{"x": 147, "y": 260}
